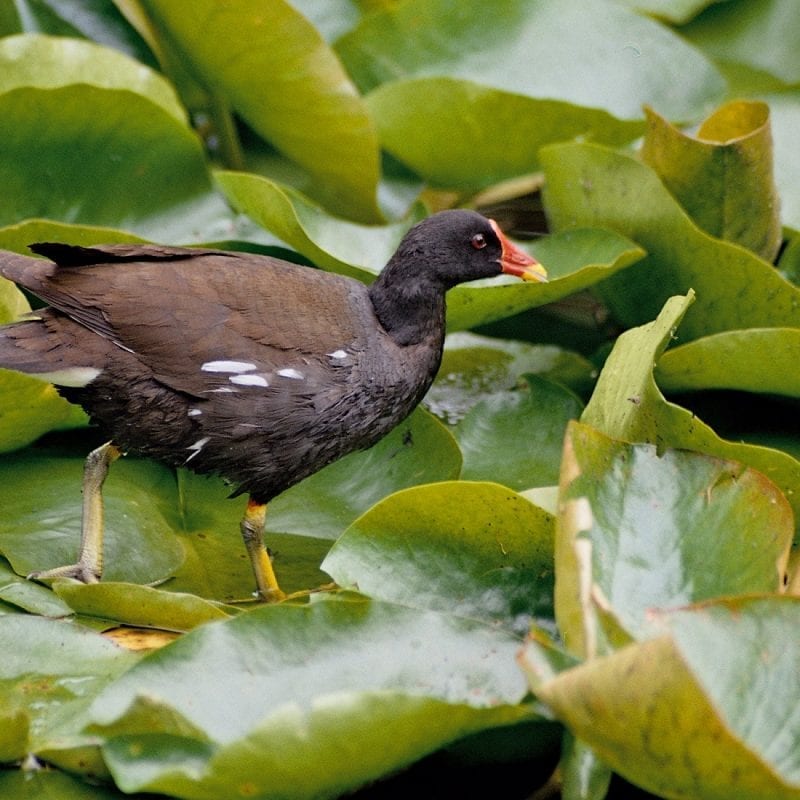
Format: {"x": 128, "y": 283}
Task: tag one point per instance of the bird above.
{"x": 245, "y": 366}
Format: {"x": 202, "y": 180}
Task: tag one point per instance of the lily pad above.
{"x": 627, "y": 404}
{"x": 26, "y": 595}
{"x": 755, "y": 360}
{"x": 52, "y": 785}
{"x": 575, "y": 48}
{"x": 328, "y": 241}
{"x": 287, "y": 83}
{"x": 419, "y": 450}
{"x": 473, "y": 550}
{"x": 141, "y": 606}
{"x": 591, "y": 185}
{"x": 730, "y": 157}
{"x": 765, "y": 37}
{"x": 474, "y": 366}
{"x": 574, "y": 259}
{"x": 41, "y": 528}
{"x": 669, "y": 714}
{"x": 50, "y": 672}
{"x": 675, "y": 11}
{"x": 415, "y": 116}
{"x": 305, "y": 689}
{"x": 68, "y": 103}
{"x": 642, "y": 531}
{"x": 515, "y": 437}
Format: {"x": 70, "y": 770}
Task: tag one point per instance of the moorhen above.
{"x": 245, "y": 366}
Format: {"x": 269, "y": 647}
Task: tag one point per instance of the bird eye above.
{"x": 478, "y": 241}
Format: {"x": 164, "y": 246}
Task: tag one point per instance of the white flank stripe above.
{"x": 338, "y": 354}
{"x": 227, "y": 366}
{"x": 76, "y": 377}
{"x": 249, "y": 380}
{"x": 294, "y": 374}
{"x": 196, "y": 447}
{"x": 194, "y": 412}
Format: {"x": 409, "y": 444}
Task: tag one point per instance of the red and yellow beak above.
{"x": 515, "y": 261}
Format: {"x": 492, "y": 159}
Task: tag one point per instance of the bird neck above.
{"x": 410, "y": 307}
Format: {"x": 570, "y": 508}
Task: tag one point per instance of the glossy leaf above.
{"x": 156, "y": 528}
{"x": 111, "y": 112}
{"x": 670, "y": 715}
{"x": 30, "y": 407}
{"x": 306, "y": 689}
{"x": 761, "y": 33}
{"x": 329, "y": 242}
{"x": 755, "y": 360}
{"x": 419, "y": 450}
{"x": 141, "y": 606}
{"x": 591, "y": 185}
{"x": 285, "y": 81}
{"x": 474, "y": 366}
{"x": 569, "y": 42}
{"x": 499, "y": 133}
{"x": 26, "y": 595}
{"x": 675, "y": 11}
{"x": 50, "y": 672}
{"x": 574, "y": 259}
{"x": 515, "y": 438}
{"x": 474, "y": 550}
{"x": 628, "y": 405}
{"x": 44, "y": 530}
{"x": 730, "y": 157}
{"x": 642, "y": 530}
{"x": 51, "y": 785}
{"x": 785, "y": 115}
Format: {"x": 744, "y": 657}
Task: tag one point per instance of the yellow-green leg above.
{"x": 89, "y": 566}
{"x": 252, "y": 527}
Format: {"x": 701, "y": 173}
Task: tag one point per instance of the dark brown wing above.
{"x": 187, "y": 314}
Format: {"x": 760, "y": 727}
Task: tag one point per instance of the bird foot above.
{"x": 80, "y": 572}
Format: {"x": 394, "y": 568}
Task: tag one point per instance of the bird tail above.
{"x": 35, "y": 348}
{"x": 26, "y": 271}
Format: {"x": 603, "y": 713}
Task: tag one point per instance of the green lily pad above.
{"x": 50, "y": 672}
{"x": 41, "y": 528}
{"x": 100, "y": 22}
{"x": 45, "y": 62}
{"x": 755, "y": 360}
{"x": 293, "y": 694}
{"x": 141, "y": 606}
{"x": 419, "y": 450}
{"x": 669, "y": 714}
{"x": 289, "y": 86}
{"x": 569, "y": 42}
{"x": 474, "y": 366}
{"x": 52, "y": 785}
{"x": 157, "y": 527}
{"x": 785, "y": 115}
{"x": 723, "y": 175}
{"x": 417, "y": 118}
{"x": 515, "y": 437}
{"x": 642, "y": 530}
{"x": 675, "y": 11}
{"x": 66, "y": 104}
{"x": 26, "y": 595}
{"x": 627, "y": 404}
{"x": 591, "y": 185}
{"x": 329, "y": 242}
{"x": 765, "y": 37}
{"x": 30, "y": 407}
{"x": 474, "y": 550}
{"x": 574, "y": 259}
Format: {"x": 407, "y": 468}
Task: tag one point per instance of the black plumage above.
{"x": 246, "y": 366}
